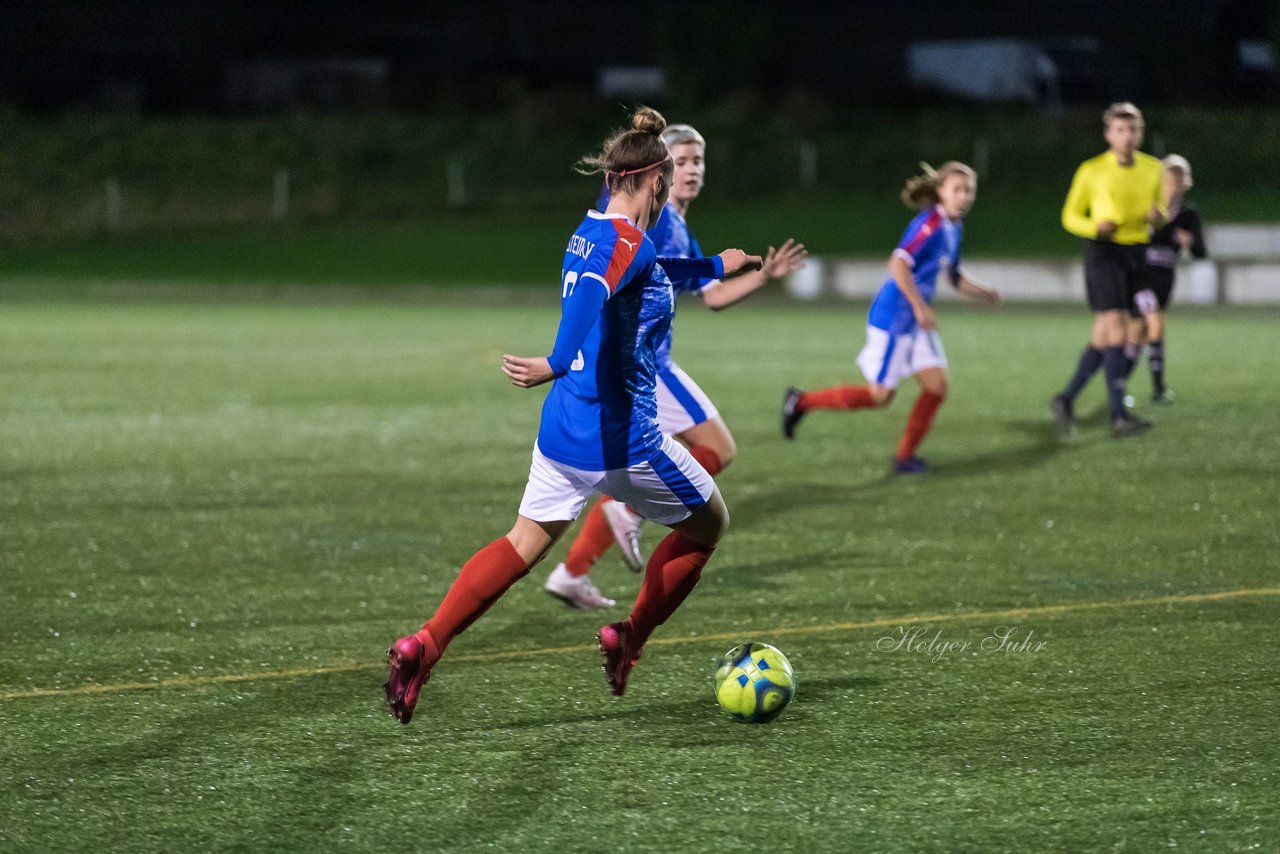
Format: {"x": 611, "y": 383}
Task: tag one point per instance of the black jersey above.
{"x": 1164, "y": 248}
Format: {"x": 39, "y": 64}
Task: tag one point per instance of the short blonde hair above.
{"x": 680, "y": 134}
{"x": 1122, "y": 110}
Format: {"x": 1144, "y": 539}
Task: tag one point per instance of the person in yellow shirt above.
{"x": 1113, "y": 202}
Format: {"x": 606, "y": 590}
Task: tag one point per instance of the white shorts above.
{"x": 887, "y": 360}
{"x": 681, "y": 404}
{"x": 665, "y": 489}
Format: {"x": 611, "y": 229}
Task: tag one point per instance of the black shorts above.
{"x": 1113, "y": 274}
{"x": 1157, "y": 288}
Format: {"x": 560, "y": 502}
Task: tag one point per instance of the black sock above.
{"x": 1090, "y": 361}
{"x": 1132, "y": 353}
{"x": 1155, "y": 358}
{"x": 1113, "y": 359}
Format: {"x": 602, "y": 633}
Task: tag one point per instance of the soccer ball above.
{"x": 754, "y": 683}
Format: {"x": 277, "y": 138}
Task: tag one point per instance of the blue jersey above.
{"x": 673, "y": 238}
{"x": 930, "y": 245}
{"x": 616, "y": 306}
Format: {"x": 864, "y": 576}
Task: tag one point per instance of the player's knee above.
{"x": 527, "y": 547}
{"x": 709, "y": 523}
{"x": 723, "y": 527}
{"x": 533, "y": 540}
{"x": 881, "y": 396}
{"x": 727, "y": 450}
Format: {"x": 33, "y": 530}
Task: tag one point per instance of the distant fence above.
{"x": 1244, "y": 270}
{"x": 87, "y": 174}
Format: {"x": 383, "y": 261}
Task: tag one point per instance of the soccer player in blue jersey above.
{"x": 599, "y": 429}
{"x": 902, "y": 333}
{"x": 684, "y": 410}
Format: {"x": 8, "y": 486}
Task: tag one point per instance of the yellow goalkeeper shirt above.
{"x": 1104, "y": 190}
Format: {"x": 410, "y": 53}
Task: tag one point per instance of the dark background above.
{"x": 245, "y": 57}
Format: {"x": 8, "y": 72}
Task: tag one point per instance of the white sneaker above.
{"x": 577, "y": 592}
{"x": 625, "y": 525}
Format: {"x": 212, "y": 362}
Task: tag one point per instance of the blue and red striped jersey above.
{"x": 616, "y": 304}
{"x": 930, "y": 245}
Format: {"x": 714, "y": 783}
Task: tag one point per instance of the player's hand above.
{"x": 784, "y": 261}
{"x": 1184, "y": 237}
{"x": 527, "y": 373}
{"x": 1106, "y": 229}
{"x": 991, "y": 296}
{"x": 736, "y": 262}
{"x": 925, "y": 317}
{"x": 1155, "y": 216}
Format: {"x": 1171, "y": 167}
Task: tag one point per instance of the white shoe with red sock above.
{"x": 576, "y": 592}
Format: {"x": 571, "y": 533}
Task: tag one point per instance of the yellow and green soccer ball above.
{"x": 754, "y": 683}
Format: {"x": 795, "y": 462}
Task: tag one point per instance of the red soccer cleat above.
{"x": 411, "y": 661}
{"x": 620, "y": 651}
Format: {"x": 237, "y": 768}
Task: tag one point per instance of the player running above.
{"x": 684, "y": 410}
{"x": 1181, "y": 231}
{"x": 902, "y": 332}
{"x": 599, "y": 429}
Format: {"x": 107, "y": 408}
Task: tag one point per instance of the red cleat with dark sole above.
{"x": 620, "y": 651}
{"x": 411, "y": 661}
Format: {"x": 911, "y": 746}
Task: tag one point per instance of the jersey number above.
{"x": 570, "y": 282}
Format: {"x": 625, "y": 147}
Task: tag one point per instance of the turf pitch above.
{"x": 217, "y": 515}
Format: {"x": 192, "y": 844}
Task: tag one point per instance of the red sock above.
{"x": 708, "y": 459}
{"x": 592, "y": 541}
{"x": 671, "y": 574}
{"x": 918, "y": 424}
{"x": 481, "y": 582}
{"x": 840, "y": 397}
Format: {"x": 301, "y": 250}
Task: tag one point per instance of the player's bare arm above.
{"x": 778, "y": 263}
{"x": 906, "y": 281}
{"x": 971, "y": 288}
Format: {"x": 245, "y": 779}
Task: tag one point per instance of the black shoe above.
{"x": 1164, "y": 398}
{"x": 1124, "y": 426}
{"x": 911, "y": 465}
{"x": 1060, "y": 409}
{"x": 791, "y": 412}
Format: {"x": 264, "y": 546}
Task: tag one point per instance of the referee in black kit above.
{"x": 1113, "y": 202}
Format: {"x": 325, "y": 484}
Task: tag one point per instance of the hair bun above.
{"x": 649, "y": 120}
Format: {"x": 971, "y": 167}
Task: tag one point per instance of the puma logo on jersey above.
{"x": 578, "y": 363}
{"x": 628, "y": 242}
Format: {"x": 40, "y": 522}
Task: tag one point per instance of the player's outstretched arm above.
{"x": 736, "y": 262}
{"x": 777, "y": 263}
{"x": 970, "y": 288}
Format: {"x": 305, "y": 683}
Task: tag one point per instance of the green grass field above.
{"x": 217, "y": 515}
